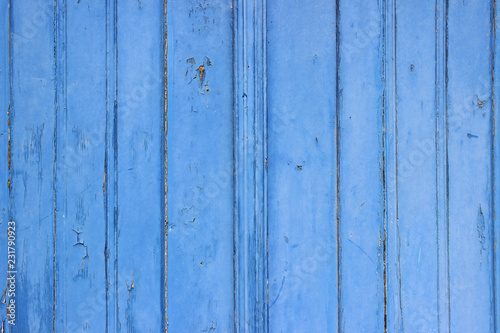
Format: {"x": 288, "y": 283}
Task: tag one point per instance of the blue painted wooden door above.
{"x": 249, "y": 166}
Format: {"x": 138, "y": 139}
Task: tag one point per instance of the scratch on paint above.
{"x": 279, "y": 291}
{"x": 480, "y": 231}
{"x": 361, "y": 249}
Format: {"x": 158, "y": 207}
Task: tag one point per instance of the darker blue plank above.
{"x": 31, "y": 174}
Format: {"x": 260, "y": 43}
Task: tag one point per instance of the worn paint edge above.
{"x": 249, "y": 149}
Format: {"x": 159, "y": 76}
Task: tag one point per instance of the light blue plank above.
{"x": 81, "y": 123}
{"x": 416, "y": 166}
{"x": 302, "y": 166}
{"x": 140, "y": 166}
{"x": 361, "y": 183}
{"x": 32, "y": 119}
{"x": 200, "y": 166}
{"x": 469, "y": 156}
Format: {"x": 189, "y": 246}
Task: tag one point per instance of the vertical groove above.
{"x": 54, "y": 267}
{"x": 105, "y": 185}
{"x": 264, "y": 256}
{"x": 10, "y": 171}
{"x": 115, "y": 158}
{"x": 250, "y": 188}
{"x": 442, "y": 187}
{"x": 384, "y": 153}
{"x": 393, "y": 309}
{"x": 110, "y": 171}
{"x": 493, "y": 163}
{"x": 447, "y": 167}
{"x": 338, "y": 106}
{"x": 234, "y": 24}
{"x": 165, "y": 160}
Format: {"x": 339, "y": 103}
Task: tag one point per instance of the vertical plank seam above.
{"x": 338, "y": 106}
{"x": 165, "y": 165}
{"x": 441, "y": 146}
{"x": 110, "y": 180}
{"x": 115, "y": 162}
{"x": 493, "y": 167}
{"x": 447, "y": 165}
{"x": 54, "y": 175}
{"x": 384, "y": 153}
{"x": 10, "y": 170}
{"x": 264, "y": 247}
{"x": 392, "y": 244}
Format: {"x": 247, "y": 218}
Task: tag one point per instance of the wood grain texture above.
{"x": 416, "y": 105}
{"x": 4, "y": 157}
{"x": 332, "y": 165}
{"x": 303, "y": 166}
{"x": 200, "y": 196}
{"x": 140, "y": 166}
{"x": 470, "y": 169}
{"x": 32, "y": 119}
{"x": 250, "y": 172}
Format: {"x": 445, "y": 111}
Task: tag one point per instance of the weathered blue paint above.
{"x": 302, "y": 163}
{"x": 200, "y": 277}
{"x": 332, "y": 165}
{"x": 77, "y": 85}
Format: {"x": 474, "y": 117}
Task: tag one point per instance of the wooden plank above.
{"x": 31, "y": 174}
{"x": 139, "y": 169}
{"x": 81, "y": 130}
{"x": 361, "y": 182}
{"x": 4, "y": 157}
{"x": 470, "y": 166}
{"x": 416, "y": 166}
{"x": 302, "y": 166}
{"x": 200, "y": 166}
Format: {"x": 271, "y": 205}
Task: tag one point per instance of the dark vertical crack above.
{"x": 115, "y": 156}
{"x": 384, "y": 155}
{"x": 54, "y": 171}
